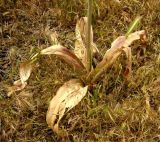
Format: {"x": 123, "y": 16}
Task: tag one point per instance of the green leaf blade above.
{"x": 133, "y": 25}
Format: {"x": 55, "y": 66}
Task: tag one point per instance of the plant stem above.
{"x": 88, "y": 37}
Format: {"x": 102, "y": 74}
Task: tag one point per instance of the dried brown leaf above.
{"x": 67, "y": 97}
{"x": 25, "y": 71}
{"x": 80, "y": 52}
{"x": 80, "y": 43}
{"x": 108, "y": 59}
{"x": 117, "y": 47}
{"x": 128, "y": 69}
{"x": 64, "y": 53}
{"x": 135, "y": 36}
{"x": 52, "y": 49}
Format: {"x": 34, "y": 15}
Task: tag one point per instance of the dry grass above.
{"x": 118, "y": 111}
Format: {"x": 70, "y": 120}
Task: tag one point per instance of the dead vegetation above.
{"x": 118, "y": 110}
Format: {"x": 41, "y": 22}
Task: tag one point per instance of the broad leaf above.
{"x": 80, "y": 43}
{"x": 67, "y": 97}
{"x": 64, "y": 53}
{"x": 112, "y": 54}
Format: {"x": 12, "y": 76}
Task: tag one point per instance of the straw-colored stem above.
{"x": 88, "y": 37}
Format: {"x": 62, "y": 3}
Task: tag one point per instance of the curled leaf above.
{"x": 65, "y": 54}
{"x": 67, "y": 97}
{"x": 131, "y": 38}
{"x": 109, "y": 57}
{"x": 117, "y": 47}
{"x": 135, "y": 36}
{"x": 25, "y": 71}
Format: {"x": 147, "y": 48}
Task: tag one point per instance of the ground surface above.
{"x": 121, "y": 111}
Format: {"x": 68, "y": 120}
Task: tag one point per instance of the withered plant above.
{"x": 81, "y": 58}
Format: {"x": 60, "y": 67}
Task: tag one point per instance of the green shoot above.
{"x": 133, "y": 25}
